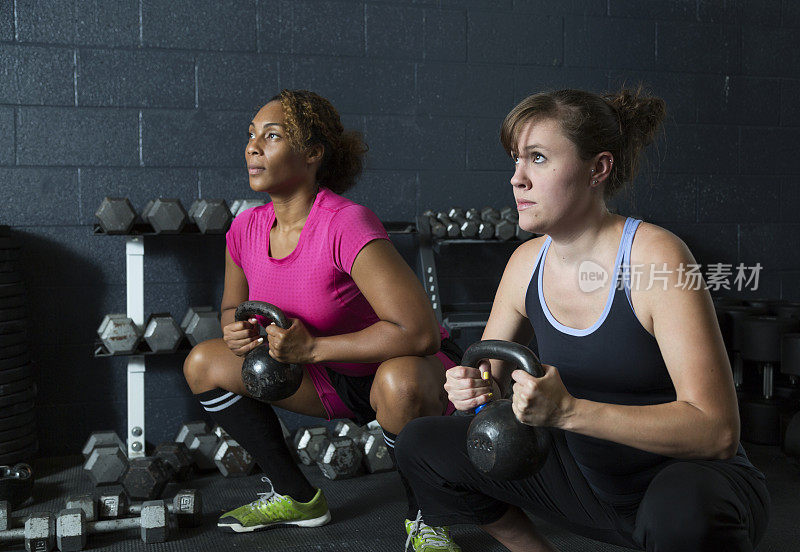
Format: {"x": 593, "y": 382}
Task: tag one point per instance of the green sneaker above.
{"x": 424, "y": 538}
{"x": 272, "y": 509}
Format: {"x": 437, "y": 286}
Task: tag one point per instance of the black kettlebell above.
{"x": 265, "y": 378}
{"x": 498, "y": 444}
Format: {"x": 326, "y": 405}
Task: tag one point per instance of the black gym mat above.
{"x": 368, "y": 513}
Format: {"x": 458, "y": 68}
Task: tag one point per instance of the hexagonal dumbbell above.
{"x": 106, "y": 460}
{"x": 39, "y": 533}
{"x": 186, "y": 507}
{"x": 162, "y": 333}
{"x": 119, "y": 334}
{"x": 231, "y": 458}
{"x": 116, "y": 215}
{"x": 72, "y": 526}
{"x": 503, "y": 230}
{"x": 347, "y": 428}
{"x": 240, "y": 205}
{"x": 201, "y": 324}
{"x": 177, "y": 457}
{"x": 146, "y": 477}
{"x": 308, "y": 443}
{"x": 200, "y": 442}
{"x": 376, "y": 453}
{"x": 165, "y": 215}
{"x": 339, "y": 458}
{"x": 212, "y": 216}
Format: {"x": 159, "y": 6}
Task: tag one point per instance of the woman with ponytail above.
{"x": 361, "y": 325}
{"x": 637, "y": 394}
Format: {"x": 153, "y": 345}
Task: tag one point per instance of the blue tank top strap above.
{"x": 631, "y": 224}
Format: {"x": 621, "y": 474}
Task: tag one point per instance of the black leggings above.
{"x": 689, "y": 505}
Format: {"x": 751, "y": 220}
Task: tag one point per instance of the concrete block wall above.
{"x": 152, "y": 98}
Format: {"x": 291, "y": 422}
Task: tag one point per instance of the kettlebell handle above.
{"x": 508, "y": 351}
{"x": 249, "y": 309}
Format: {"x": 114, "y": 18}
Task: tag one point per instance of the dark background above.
{"x": 152, "y": 98}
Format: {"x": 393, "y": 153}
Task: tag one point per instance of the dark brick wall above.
{"x": 152, "y": 98}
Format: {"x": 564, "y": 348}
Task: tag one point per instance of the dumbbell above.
{"x": 215, "y": 450}
{"x": 201, "y": 324}
{"x": 212, "y": 216}
{"x": 376, "y": 457}
{"x": 339, "y": 458}
{"x": 485, "y": 229}
{"x": 467, "y": 227}
{"x": 177, "y": 457}
{"x": 438, "y": 229}
{"x": 116, "y": 215}
{"x": 162, "y": 333}
{"x": 105, "y": 456}
{"x": 39, "y": 533}
{"x": 72, "y": 525}
{"x": 119, "y": 334}
{"x": 240, "y": 205}
{"x": 146, "y": 477}
{"x": 165, "y": 215}
{"x": 186, "y": 507}
{"x": 201, "y": 443}
{"x": 503, "y": 229}
{"x": 308, "y": 443}
{"x": 452, "y": 227}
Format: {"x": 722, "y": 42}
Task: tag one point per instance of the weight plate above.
{"x": 8, "y": 290}
{"x": 8, "y": 243}
{"x": 13, "y": 351}
{"x": 11, "y": 338}
{"x": 9, "y": 266}
{"x": 20, "y": 455}
{"x": 10, "y": 277}
{"x": 8, "y": 315}
{"x": 13, "y": 362}
{"x": 17, "y": 444}
{"x": 9, "y": 401}
{"x": 13, "y": 302}
{"x": 9, "y": 255}
{"x": 27, "y": 417}
{"x": 15, "y": 387}
{"x": 16, "y": 374}
{"x": 17, "y": 432}
{"x": 19, "y": 408}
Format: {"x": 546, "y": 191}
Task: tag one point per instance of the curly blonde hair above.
{"x": 622, "y": 123}
{"x": 312, "y": 119}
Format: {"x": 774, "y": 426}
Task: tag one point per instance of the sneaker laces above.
{"x": 428, "y": 534}
{"x": 266, "y": 497}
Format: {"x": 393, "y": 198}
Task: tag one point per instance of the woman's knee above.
{"x": 401, "y": 383}
{"x": 197, "y": 366}
{"x": 686, "y": 507}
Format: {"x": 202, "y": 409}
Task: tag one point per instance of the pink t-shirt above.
{"x": 313, "y": 282}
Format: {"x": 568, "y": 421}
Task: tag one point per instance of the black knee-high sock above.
{"x": 413, "y": 507}
{"x": 255, "y": 426}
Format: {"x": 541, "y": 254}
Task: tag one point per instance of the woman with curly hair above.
{"x": 362, "y": 328}
{"x": 637, "y": 395}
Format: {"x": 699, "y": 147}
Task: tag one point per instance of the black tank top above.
{"x": 613, "y": 361}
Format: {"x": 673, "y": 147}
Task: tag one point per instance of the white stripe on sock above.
{"x": 217, "y": 399}
{"x": 389, "y": 442}
{"x": 223, "y": 406}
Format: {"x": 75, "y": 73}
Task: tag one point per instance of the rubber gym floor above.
{"x": 368, "y": 513}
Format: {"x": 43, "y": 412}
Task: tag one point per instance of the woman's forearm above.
{"x": 377, "y": 343}
{"x": 676, "y": 429}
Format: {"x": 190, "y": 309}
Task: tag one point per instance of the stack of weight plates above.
{"x": 17, "y": 388}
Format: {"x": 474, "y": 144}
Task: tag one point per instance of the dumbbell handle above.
{"x": 12, "y": 534}
{"x": 136, "y": 508}
{"x": 111, "y": 525}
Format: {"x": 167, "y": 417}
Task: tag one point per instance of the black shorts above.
{"x": 354, "y": 390}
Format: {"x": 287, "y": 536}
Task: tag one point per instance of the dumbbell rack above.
{"x": 134, "y": 277}
{"x": 457, "y": 317}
